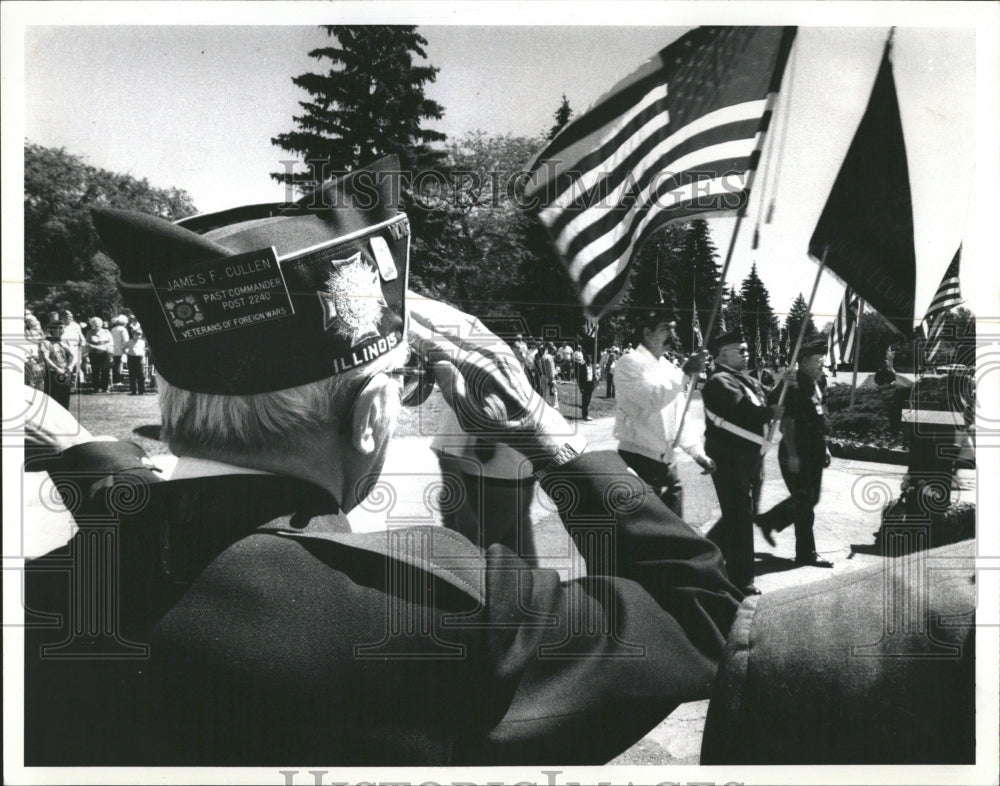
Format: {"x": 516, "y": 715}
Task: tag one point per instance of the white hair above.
{"x": 275, "y": 423}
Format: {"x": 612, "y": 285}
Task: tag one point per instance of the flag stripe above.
{"x": 844, "y": 328}
{"x": 948, "y": 296}
{"x": 677, "y": 138}
{"x": 721, "y": 200}
{"x": 611, "y": 162}
{"x": 605, "y": 226}
{"x": 644, "y": 175}
{"x": 684, "y": 200}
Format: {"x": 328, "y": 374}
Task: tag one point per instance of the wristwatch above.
{"x": 564, "y": 455}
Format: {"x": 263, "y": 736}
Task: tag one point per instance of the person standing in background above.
{"x": 99, "y": 346}
{"x": 609, "y": 372}
{"x": 586, "y": 378}
{"x": 119, "y": 335}
{"x": 135, "y": 353}
{"x": 72, "y": 339}
{"x": 547, "y": 367}
{"x": 58, "y": 360}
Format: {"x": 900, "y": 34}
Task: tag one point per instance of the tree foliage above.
{"x": 756, "y": 316}
{"x": 798, "y": 313}
{"x": 61, "y": 259}
{"x": 474, "y": 244}
{"x": 369, "y": 102}
{"x": 562, "y": 116}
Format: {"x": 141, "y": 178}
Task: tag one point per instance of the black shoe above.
{"x": 813, "y": 560}
{"x": 767, "y": 531}
{"x": 750, "y": 589}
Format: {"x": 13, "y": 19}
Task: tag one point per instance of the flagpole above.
{"x": 711, "y": 324}
{"x": 857, "y": 351}
{"x": 597, "y": 328}
{"x": 798, "y": 344}
{"x": 694, "y": 309}
{"x": 707, "y": 333}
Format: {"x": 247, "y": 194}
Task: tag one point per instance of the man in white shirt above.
{"x": 649, "y": 395}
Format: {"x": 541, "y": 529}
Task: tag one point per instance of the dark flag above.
{"x": 948, "y": 296}
{"x": 678, "y": 138}
{"x": 867, "y": 223}
{"x": 844, "y": 326}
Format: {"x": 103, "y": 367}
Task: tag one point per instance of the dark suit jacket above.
{"x": 736, "y": 397}
{"x": 252, "y": 627}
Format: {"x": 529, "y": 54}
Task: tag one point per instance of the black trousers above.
{"x": 58, "y": 386}
{"x": 662, "y": 477}
{"x": 804, "y": 488}
{"x": 100, "y": 371}
{"x": 586, "y": 394}
{"x": 737, "y": 480}
{"x": 136, "y": 378}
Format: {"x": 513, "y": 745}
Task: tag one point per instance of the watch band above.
{"x": 564, "y": 455}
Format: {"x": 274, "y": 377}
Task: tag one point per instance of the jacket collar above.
{"x": 199, "y": 518}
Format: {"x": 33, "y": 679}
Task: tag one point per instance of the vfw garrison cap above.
{"x": 724, "y": 340}
{"x": 815, "y": 347}
{"x": 266, "y": 297}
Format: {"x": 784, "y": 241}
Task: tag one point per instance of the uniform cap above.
{"x": 724, "y": 339}
{"x": 267, "y": 297}
{"x": 817, "y": 347}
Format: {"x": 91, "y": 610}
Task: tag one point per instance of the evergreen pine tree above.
{"x": 368, "y": 104}
{"x": 756, "y": 314}
{"x": 793, "y": 322}
{"x": 694, "y": 273}
{"x": 562, "y": 116}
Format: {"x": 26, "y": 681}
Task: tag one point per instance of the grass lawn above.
{"x": 137, "y": 418}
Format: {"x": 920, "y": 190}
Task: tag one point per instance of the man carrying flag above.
{"x": 649, "y": 394}
{"x": 802, "y": 456}
{"x": 736, "y": 414}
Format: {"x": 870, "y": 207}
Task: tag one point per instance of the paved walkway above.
{"x": 847, "y": 517}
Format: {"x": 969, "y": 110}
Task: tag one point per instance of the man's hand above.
{"x": 776, "y": 410}
{"x": 790, "y": 377}
{"x": 695, "y": 364}
{"x": 827, "y": 457}
{"x": 483, "y": 381}
{"x": 794, "y": 465}
{"x": 706, "y": 464}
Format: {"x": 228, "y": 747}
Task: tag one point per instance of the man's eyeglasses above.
{"x": 415, "y": 381}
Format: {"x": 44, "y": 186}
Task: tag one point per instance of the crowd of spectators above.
{"x": 64, "y": 355}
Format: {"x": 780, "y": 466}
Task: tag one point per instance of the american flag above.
{"x": 947, "y": 297}
{"x": 841, "y": 345}
{"x": 696, "y": 338}
{"x": 678, "y": 138}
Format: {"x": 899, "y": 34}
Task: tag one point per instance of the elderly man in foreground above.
{"x": 253, "y": 625}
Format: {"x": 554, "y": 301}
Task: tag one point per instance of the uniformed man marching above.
{"x": 736, "y": 415}
{"x": 802, "y": 456}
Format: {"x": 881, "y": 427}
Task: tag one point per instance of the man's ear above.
{"x": 371, "y": 418}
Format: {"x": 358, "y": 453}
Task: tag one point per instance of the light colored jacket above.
{"x": 649, "y": 397}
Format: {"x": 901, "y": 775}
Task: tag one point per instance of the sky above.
{"x": 195, "y": 106}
